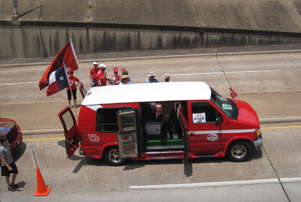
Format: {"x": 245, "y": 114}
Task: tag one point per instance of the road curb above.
{"x": 161, "y": 57}
{"x": 279, "y": 120}
{"x": 43, "y": 131}
{"x": 261, "y": 120}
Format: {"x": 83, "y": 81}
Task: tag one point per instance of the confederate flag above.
{"x": 58, "y": 80}
{"x": 65, "y": 58}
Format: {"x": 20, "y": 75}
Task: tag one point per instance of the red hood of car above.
{"x": 247, "y": 114}
{"x": 6, "y": 125}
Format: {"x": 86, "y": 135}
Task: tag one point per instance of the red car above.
{"x": 12, "y": 131}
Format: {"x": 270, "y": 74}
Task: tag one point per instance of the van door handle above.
{"x": 191, "y": 134}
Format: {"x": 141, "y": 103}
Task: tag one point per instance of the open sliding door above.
{"x": 127, "y": 134}
{"x": 183, "y": 121}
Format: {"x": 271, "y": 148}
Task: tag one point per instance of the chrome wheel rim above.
{"x": 114, "y": 155}
{"x": 238, "y": 151}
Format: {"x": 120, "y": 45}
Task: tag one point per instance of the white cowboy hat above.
{"x": 166, "y": 76}
{"x": 102, "y": 65}
{"x": 152, "y": 74}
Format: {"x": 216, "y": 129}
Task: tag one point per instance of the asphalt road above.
{"x": 272, "y": 174}
{"x": 269, "y": 81}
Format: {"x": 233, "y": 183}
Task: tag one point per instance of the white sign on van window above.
{"x": 199, "y": 117}
{"x": 227, "y": 107}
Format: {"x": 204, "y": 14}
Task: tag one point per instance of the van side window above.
{"x": 203, "y": 112}
{"x": 106, "y": 119}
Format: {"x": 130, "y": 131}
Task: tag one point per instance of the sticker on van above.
{"x": 212, "y": 137}
{"x": 93, "y": 137}
{"x": 227, "y": 107}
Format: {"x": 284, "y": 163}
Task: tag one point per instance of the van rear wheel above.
{"x": 112, "y": 157}
{"x": 239, "y": 151}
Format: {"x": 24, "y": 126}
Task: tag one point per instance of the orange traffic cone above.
{"x": 42, "y": 190}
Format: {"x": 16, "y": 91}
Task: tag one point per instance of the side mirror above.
{"x": 218, "y": 121}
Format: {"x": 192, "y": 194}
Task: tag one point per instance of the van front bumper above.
{"x": 258, "y": 143}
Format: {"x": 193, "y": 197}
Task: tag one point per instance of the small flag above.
{"x": 58, "y": 80}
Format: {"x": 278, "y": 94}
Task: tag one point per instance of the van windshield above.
{"x": 225, "y": 104}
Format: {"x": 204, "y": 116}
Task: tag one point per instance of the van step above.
{"x": 165, "y": 157}
{"x": 163, "y": 152}
{"x": 205, "y": 156}
{"x": 165, "y": 147}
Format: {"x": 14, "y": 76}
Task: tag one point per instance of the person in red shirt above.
{"x": 102, "y": 75}
{"x": 93, "y": 74}
{"x": 74, "y": 81}
{"x": 116, "y": 76}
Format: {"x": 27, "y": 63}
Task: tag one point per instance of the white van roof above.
{"x": 148, "y": 92}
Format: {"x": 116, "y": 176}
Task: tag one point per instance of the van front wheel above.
{"x": 111, "y": 156}
{"x": 239, "y": 151}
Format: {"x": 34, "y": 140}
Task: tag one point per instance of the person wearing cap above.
{"x": 93, "y": 74}
{"x": 125, "y": 79}
{"x": 102, "y": 75}
{"x": 167, "y": 78}
{"x": 117, "y": 77}
{"x": 151, "y": 78}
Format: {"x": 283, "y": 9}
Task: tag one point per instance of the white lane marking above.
{"x": 215, "y": 184}
{"x": 295, "y": 179}
{"x": 189, "y": 74}
{"x": 19, "y": 83}
{"x": 234, "y": 72}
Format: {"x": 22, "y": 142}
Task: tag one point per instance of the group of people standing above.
{"x": 98, "y": 76}
{"x": 152, "y": 79}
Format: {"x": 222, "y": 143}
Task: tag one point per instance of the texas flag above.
{"x": 58, "y": 80}
{"x": 65, "y": 58}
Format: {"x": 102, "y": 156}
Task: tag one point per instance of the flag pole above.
{"x": 79, "y": 73}
{"x": 76, "y": 59}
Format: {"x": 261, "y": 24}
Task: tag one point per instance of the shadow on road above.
{"x": 132, "y": 165}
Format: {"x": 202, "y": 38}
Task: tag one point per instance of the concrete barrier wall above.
{"x": 46, "y": 41}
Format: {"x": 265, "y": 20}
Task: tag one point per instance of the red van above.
{"x": 171, "y": 120}
{"x": 12, "y": 131}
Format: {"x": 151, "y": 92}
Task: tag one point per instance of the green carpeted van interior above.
{"x": 165, "y": 142}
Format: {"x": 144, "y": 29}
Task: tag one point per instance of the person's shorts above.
{"x": 69, "y": 94}
{"x": 6, "y": 172}
{"x": 94, "y": 83}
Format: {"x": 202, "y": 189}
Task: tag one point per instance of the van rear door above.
{"x": 127, "y": 134}
{"x": 70, "y": 129}
{"x": 183, "y": 121}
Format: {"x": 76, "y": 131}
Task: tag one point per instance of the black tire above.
{"x": 239, "y": 151}
{"x": 111, "y": 156}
